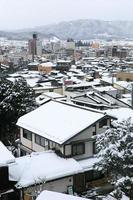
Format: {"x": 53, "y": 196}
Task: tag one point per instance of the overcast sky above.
{"x": 17, "y": 14}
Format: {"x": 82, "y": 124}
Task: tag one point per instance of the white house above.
{"x": 46, "y": 170}
{"x": 63, "y": 127}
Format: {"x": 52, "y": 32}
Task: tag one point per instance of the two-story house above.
{"x": 62, "y": 126}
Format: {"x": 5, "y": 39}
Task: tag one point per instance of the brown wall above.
{"x": 44, "y": 69}
{"x": 125, "y": 76}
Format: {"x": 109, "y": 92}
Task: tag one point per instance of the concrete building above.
{"x": 35, "y": 46}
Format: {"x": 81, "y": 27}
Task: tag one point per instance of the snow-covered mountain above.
{"x": 80, "y": 29}
{"x": 89, "y": 29}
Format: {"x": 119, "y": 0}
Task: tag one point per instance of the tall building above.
{"x": 70, "y": 49}
{"x": 114, "y": 51}
{"x": 70, "y": 44}
{"x": 35, "y": 46}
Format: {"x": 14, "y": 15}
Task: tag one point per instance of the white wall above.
{"x": 84, "y": 136}
{"x": 101, "y": 130}
{"x": 25, "y": 141}
{"x": 36, "y": 147}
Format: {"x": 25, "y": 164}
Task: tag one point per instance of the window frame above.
{"x": 39, "y": 142}
{"x": 27, "y": 134}
{"x": 76, "y": 153}
{"x": 94, "y": 147}
{"x": 93, "y": 175}
{"x": 102, "y": 122}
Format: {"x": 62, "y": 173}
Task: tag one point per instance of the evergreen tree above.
{"x": 115, "y": 150}
{"x": 16, "y": 99}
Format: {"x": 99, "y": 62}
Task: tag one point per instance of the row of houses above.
{"x": 56, "y": 145}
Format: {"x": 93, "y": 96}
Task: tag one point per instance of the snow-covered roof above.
{"x": 47, "y": 64}
{"x": 108, "y": 79}
{"x": 84, "y": 84}
{"x": 40, "y": 167}
{"x": 52, "y": 95}
{"x": 87, "y": 66}
{"x": 49, "y": 195}
{"x": 32, "y": 82}
{"x": 121, "y": 113}
{"x": 111, "y": 197}
{"x": 63, "y": 61}
{"x": 41, "y": 99}
{"x": 33, "y": 63}
{"x": 105, "y": 88}
{"x": 126, "y": 95}
{"x": 124, "y": 84}
{"x": 15, "y": 75}
{"x": 88, "y": 163}
{"x": 58, "y": 121}
{"x": 32, "y": 77}
{"x": 6, "y": 156}
{"x": 13, "y": 79}
{"x": 126, "y": 100}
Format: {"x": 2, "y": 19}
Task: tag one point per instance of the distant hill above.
{"x": 79, "y": 29}
{"x": 25, "y": 35}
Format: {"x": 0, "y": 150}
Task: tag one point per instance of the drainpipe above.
{"x": 132, "y": 97}
{"x": 21, "y": 194}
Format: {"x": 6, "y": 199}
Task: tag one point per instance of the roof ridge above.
{"x": 80, "y": 107}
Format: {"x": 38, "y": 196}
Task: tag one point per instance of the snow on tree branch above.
{"x": 115, "y": 150}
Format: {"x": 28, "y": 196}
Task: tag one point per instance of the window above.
{"x": 89, "y": 175}
{"x": 93, "y": 175}
{"x": 103, "y": 123}
{"x": 78, "y": 149}
{"x": 22, "y": 152}
{"x": 94, "y": 147}
{"x": 27, "y": 134}
{"x": 94, "y": 133}
{"x": 127, "y": 79}
{"x": 37, "y": 139}
{"x": 94, "y": 130}
{"x": 40, "y": 140}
